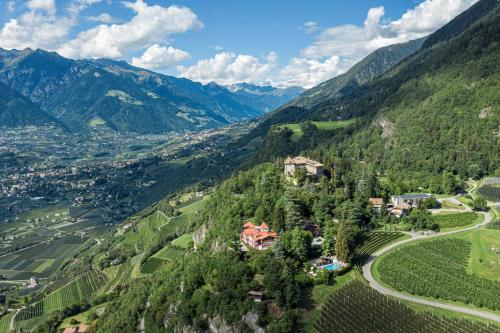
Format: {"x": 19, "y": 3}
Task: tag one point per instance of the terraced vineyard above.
{"x": 5, "y": 322}
{"x": 358, "y": 308}
{"x": 121, "y": 273}
{"x": 373, "y": 241}
{"x": 438, "y": 268}
{"x": 74, "y": 292}
{"x": 147, "y": 230}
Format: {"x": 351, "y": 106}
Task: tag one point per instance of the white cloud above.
{"x": 160, "y": 57}
{"x": 49, "y": 6}
{"x": 151, "y": 24}
{"x": 37, "y": 28}
{"x": 308, "y": 73}
{"x": 355, "y": 42}
{"x": 103, "y": 18}
{"x": 310, "y": 27}
{"x": 228, "y": 68}
{"x": 40, "y": 26}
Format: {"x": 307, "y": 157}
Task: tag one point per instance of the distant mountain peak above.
{"x": 77, "y": 91}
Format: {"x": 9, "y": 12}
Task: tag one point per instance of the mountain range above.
{"x": 81, "y": 94}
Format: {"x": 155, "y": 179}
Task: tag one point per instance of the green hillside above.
{"x": 16, "y": 110}
{"x": 437, "y": 110}
{"x": 424, "y": 125}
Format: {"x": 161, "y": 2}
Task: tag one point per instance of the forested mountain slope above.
{"x": 436, "y": 110}
{"x": 375, "y": 64}
{"x": 16, "y": 110}
{"x": 83, "y": 93}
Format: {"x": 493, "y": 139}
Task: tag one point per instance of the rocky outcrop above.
{"x": 200, "y": 234}
{"x": 219, "y": 325}
{"x": 251, "y": 319}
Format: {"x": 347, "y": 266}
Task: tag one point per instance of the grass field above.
{"x": 465, "y": 201}
{"x": 185, "y": 241}
{"x": 97, "y": 121}
{"x": 321, "y": 125}
{"x": 169, "y": 253}
{"x": 483, "y": 261}
{"x": 160, "y": 258}
{"x": 449, "y": 221}
{"x": 450, "y": 205}
{"x": 152, "y": 265}
{"x": 180, "y": 161}
{"x": 197, "y": 205}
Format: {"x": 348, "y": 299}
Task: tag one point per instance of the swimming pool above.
{"x": 332, "y": 267}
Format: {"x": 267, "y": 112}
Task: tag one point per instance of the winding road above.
{"x": 367, "y": 273}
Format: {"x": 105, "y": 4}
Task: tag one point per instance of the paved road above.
{"x": 367, "y": 273}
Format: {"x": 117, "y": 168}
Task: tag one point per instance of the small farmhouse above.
{"x": 257, "y": 237}
{"x": 292, "y": 164}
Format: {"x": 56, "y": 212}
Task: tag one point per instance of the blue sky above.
{"x": 283, "y": 43}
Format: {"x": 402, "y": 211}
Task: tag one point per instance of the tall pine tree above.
{"x": 342, "y": 249}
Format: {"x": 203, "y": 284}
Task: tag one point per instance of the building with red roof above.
{"x": 257, "y": 237}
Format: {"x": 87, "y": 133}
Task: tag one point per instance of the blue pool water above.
{"x": 332, "y": 267}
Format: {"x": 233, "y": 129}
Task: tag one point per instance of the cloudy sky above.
{"x": 283, "y": 43}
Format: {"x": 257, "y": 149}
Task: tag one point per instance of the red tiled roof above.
{"x": 264, "y": 235}
{"x": 248, "y": 224}
{"x": 250, "y": 230}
